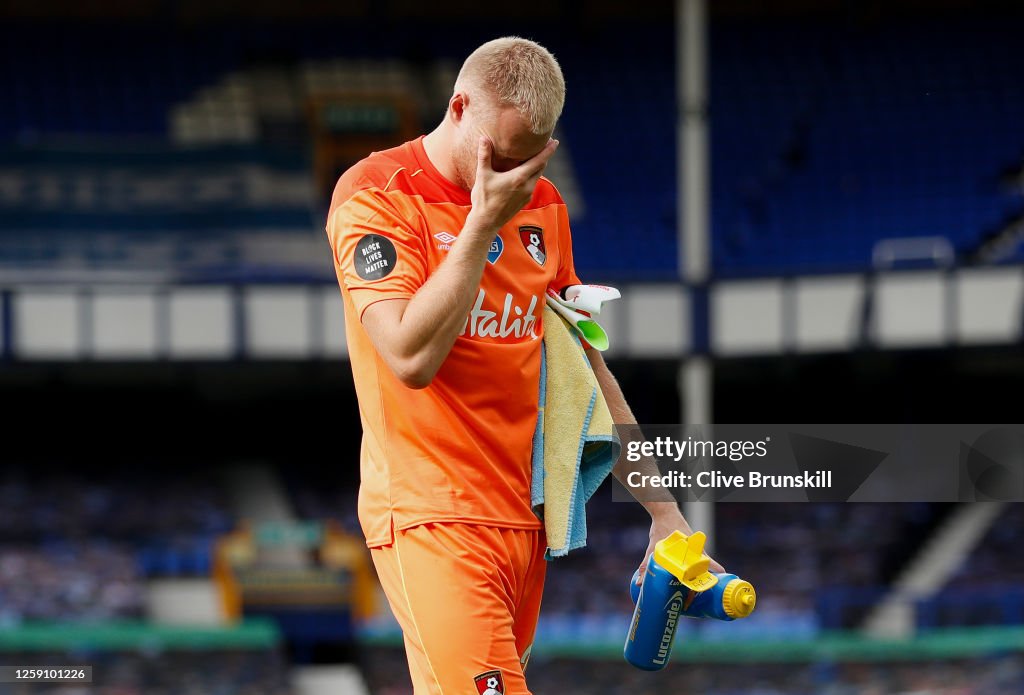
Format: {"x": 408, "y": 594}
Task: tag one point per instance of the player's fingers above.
{"x": 483, "y": 152}
{"x": 538, "y": 169}
{"x": 531, "y": 182}
{"x": 642, "y": 569}
{"x": 536, "y": 163}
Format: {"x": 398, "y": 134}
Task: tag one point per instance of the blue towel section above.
{"x": 595, "y": 459}
{"x": 537, "y": 481}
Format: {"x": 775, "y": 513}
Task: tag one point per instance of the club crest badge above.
{"x": 533, "y": 239}
{"x": 490, "y": 683}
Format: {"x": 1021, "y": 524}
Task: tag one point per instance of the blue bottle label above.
{"x": 672, "y": 608}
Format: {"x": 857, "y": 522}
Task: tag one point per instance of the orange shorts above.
{"x": 467, "y": 598}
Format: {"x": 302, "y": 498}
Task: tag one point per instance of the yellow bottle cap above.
{"x": 739, "y": 598}
{"x": 684, "y": 557}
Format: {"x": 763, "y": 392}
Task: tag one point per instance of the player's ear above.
{"x": 457, "y": 106}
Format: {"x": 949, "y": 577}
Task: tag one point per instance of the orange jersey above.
{"x": 460, "y": 449}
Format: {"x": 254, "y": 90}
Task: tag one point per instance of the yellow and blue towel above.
{"x": 574, "y": 444}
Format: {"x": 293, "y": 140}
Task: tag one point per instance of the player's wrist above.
{"x": 480, "y": 223}
{"x": 667, "y": 513}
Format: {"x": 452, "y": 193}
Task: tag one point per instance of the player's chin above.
{"x": 467, "y": 177}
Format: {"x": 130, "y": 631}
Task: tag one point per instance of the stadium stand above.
{"x": 824, "y": 545}
{"x": 119, "y": 504}
{"x": 833, "y": 553}
{"x": 988, "y": 587}
{"x": 829, "y": 137}
{"x": 996, "y": 560}
{"x": 88, "y": 580}
{"x": 180, "y": 150}
{"x": 160, "y": 521}
{"x": 331, "y": 502}
{"x": 789, "y": 192}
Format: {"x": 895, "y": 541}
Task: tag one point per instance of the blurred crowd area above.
{"x": 65, "y": 501}
{"x": 789, "y": 551}
{"x": 318, "y": 499}
{"x": 81, "y": 545}
{"x": 816, "y": 546}
{"x": 997, "y": 675}
{"x": 821, "y": 564}
{"x": 812, "y": 547}
{"x": 218, "y": 672}
{"x": 90, "y": 581}
{"x": 997, "y": 561}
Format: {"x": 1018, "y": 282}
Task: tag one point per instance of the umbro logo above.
{"x": 445, "y": 240}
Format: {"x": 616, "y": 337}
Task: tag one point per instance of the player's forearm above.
{"x": 437, "y": 312}
{"x": 656, "y": 500}
{"x": 666, "y": 516}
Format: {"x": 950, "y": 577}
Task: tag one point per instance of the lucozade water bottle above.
{"x": 678, "y": 584}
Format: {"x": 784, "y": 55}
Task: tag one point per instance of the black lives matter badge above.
{"x": 374, "y": 257}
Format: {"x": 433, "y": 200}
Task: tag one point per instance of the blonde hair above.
{"x": 520, "y": 73}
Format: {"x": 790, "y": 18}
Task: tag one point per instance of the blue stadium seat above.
{"x": 826, "y": 137}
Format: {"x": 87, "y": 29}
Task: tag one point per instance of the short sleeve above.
{"x": 565, "y": 274}
{"x": 378, "y": 253}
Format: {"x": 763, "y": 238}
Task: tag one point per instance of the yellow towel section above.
{"x": 575, "y": 439}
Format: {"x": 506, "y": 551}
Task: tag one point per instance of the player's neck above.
{"x": 438, "y": 145}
